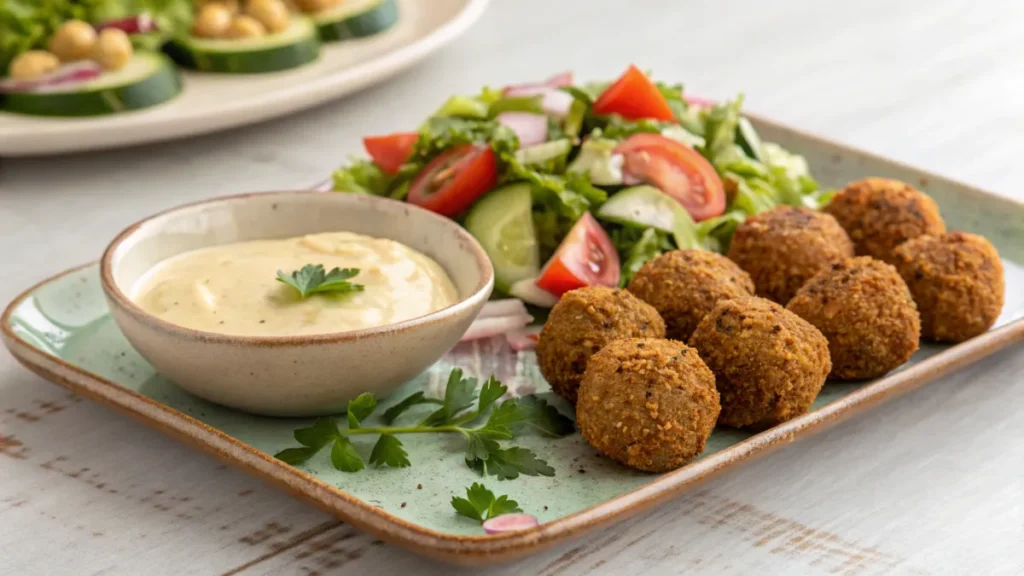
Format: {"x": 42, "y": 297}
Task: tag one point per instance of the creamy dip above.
{"x": 232, "y": 289}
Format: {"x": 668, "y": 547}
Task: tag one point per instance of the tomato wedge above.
{"x": 633, "y": 96}
{"x": 450, "y": 183}
{"x": 390, "y": 151}
{"x": 585, "y": 258}
{"x": 677, "y": 170}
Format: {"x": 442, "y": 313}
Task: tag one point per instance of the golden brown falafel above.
{"x": 646, "y": 403}
{"x": 879, "y": 214}
{"x": 866, "y": 312}
{"x": 783, "y": 247}
{"x": 684, "y": 285}
{"x": 581, "y": 323}
{"x": 769, "y": 364}
{"x": 957, "y": 282}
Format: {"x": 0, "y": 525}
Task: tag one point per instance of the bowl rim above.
{"x": 479, "y": 293}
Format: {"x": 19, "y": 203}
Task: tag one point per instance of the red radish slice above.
{"x": 131, "y": 25}
{"x": 530, "y": 128}
{"x": 524, "y": 339}
{"x": 505, "y": 307}
{"x": 510, "y": 523}
{"x": 495, "y": 326}
{"x": 74, "y": 72}
{"x": 528, "y": 291}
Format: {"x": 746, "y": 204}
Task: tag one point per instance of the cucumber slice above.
{"x": 356, "y": 19}
{"x": 648, "y": 207}
{"x": 502, "y": 221}
{"x": 540, "y": 153}
{"x": 294, "y": 46}
{"x": 748, "y": 139}
{"x": 147, "y": 80}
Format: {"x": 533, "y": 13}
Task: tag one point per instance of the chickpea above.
{"x": 213, "y": 21}
{"x": 246, "y": 27}
{"x": 33, "y": 64}
{"x": 273, "y": 14}
{"x": 231, "y": 5}
{"x": 317, "y": 5}
{"x": 73, "y": 40}
{"x": 113, "y": 49}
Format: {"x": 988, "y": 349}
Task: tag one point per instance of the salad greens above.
{"x": 28, "y": 24}
{"x": 585, "y": 159}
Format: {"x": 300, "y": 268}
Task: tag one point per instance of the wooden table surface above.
{"x": 932, "y": 483}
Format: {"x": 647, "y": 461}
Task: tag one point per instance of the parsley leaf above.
{"x": 296, "y": 456}
{"x": 359, "y": 408}
{"x": 543, "y": 417}
{"x": 388, "y": 451}
{"x": 312, "y": 279}
{"x": 344, "y": 456}
{"x": 395, "y": 411}
{"x": 491, "y": 391}
{"x": 480, "y": 504}
{"x": 509, "y": 463}
{"x": 458, "y": 395}
{"x": 320, "y": 434}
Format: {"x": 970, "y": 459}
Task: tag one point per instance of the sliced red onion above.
{"x": 510, "y": 523}
{"x": 523, "y": 339}
{"x": 132, "y": 24}
{"x": 495, "y": 326}
{"x": 553, "y": 101}
{"x": 698, "y": 101}
{"x": 506, "y": 307}
{"x": 531, "y": 128}
{"x": 69, "y": 73}
{"x": 630, "y": 180}
{"x": 528, "y": 291}
{"x": 560, "y": 79}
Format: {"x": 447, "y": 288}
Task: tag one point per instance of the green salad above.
{"x": 568, "y": 185}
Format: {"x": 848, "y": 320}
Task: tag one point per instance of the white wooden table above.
{"x": 932, "y": 483}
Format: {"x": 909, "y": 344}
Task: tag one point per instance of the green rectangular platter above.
{"x": 62, "y": 329}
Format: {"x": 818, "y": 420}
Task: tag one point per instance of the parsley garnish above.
{"x": 461, "y": 406}
{"x": 480, "y": 504}
{"x": 312, "y": 279}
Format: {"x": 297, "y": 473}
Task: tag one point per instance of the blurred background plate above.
{"x": 212, "y": 102}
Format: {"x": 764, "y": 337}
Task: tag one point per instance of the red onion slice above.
{"x": 505, "y": 307}
{"x": 523, "y": 339}
{"x": 495, "y": 326}
{"x": 560, "y": 79}
{"x": 510, "y": 523}
{"x": 132, "y": 24}
{"x": 528, "y": 291}
{"x": 531, "y": 128}
{"x": 699, "y": 102}
{"x": 69, "y": 73}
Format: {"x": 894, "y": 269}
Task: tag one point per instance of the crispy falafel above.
{"x": 647, "y": 403}
{"x": 769, "y": 364}
{"x": 957, "y": 282}
{"x": 684, "y": 285}
{"x": 865, "y": 310}
{"x": 783, "y": 247}
{"x": 879, "y": 214}
{"x": 581, "y": 323}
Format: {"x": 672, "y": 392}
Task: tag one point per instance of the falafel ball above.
{"x": 879, "y": 214}
{"x": 684, "y": 285}
{"x": 769, "y": 364}
{"x": 866, "y": 312}
{"x": 646, "y": 403}
{"x": 957, "y": 282}
{"x": 783, "y": 247}
{"x": 581, "y": 323}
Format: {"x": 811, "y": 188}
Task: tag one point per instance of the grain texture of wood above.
{"x": 932, "y": 483}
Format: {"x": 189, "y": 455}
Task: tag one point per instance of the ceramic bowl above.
{"x": 293, "y": 375}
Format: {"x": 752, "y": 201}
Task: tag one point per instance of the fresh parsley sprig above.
{"x": 480, "y": 504}
{"x": 313, "y": 279}
{"x": 461, "y": 407}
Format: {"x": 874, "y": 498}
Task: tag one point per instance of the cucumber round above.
{"x": 294, "y": 46}
{"x": 356, "y": 19}
{"x": 648, "y": 207}
{"x": 147, "y": 80}
{"x": 502, "y": 221}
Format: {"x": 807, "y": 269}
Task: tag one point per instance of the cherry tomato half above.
{"x": 390, "y": 151}
{"x": 585, "y": 258}
{"x": 450, "y": 183}
{"x": 633, "y": 96}
{"x": 677, "y": 170}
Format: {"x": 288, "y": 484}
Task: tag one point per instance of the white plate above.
{"x": 211, "y": 102}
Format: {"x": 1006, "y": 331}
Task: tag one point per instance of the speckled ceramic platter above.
{"x": 61, "y": 329}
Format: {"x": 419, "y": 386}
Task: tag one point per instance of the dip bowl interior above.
{"x": 293, "y": 375}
